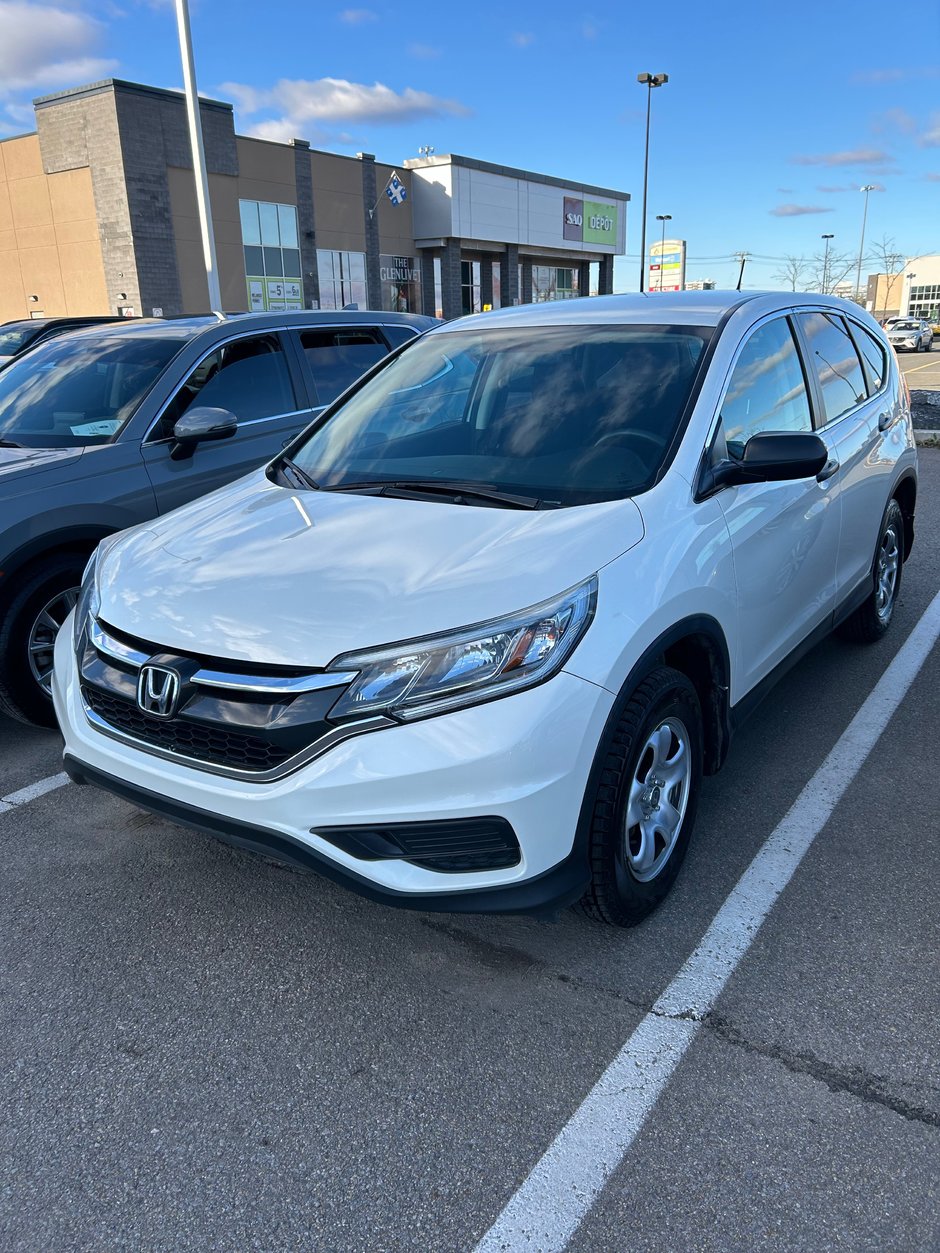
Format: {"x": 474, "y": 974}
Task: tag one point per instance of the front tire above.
{"x": 873, "y": 617}
{"x": 28, "y": 630}
{"x": 644, "y": 802}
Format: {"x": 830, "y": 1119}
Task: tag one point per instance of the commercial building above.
{"x": 98, "y": 214}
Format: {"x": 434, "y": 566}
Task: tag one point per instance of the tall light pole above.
{"x": 651, "y": 81}
{"x": 199, "y": 156}
{"x": 664, "y": 218}
{"x": 910, "y": 280}
{"x": 861, "y": 248}
{"x": 825, "y": 282}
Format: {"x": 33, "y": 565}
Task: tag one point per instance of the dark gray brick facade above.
{"x": 509, "y": 276}
{"x": 306, "y": 222}
{"x": 370, "y": 217}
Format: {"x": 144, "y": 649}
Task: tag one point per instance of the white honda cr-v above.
{"x": 472, "y": 640}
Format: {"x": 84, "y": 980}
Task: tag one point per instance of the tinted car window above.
{"x": 338, "y": 357}
{"x": 873, "y": 353}
{"x": 12, "y": 340}
{"x": 835, "y": 361}
{"x": 249, "y": 377}
{"x": 397, "y": 335}
{"x": 767, "y": 391}
{"x": 74, "y": 390}
{"x": 567, "y": 414}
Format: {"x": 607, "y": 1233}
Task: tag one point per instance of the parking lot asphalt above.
{"x": 201, "y": 1049}
{"x": 922, "y": 370}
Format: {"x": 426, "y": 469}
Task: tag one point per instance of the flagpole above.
{"x": 388, "y": 183}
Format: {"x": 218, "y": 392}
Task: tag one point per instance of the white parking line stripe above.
{"x": 33, "y": 791}
{"x": 550, "y": 1204}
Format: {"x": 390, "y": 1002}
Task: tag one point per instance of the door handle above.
{"x": 829, "y": 469}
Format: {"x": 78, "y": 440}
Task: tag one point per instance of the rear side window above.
{"x": 338, "y": 357}
{"x": 835, "y": 360}
{"x": 248, "y": 377}
{"x": 398, "y": 335}
{"x": 874, "y": 355}
{"x": 767, "y": 391}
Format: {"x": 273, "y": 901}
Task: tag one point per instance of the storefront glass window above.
{"x": 470, "y": 286}
{"x": 401, "y": 284}
{"x": 272, "y": 256}
{"x": 553, "y": 283}
{"x": 438, "y": 289}
{"x": 342, "y": 279}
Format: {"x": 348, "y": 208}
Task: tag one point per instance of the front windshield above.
{"x": 566, "y": 415}
{"x": 904, "y": 326}
{"x": 73, "y": 391}
{"x": 12, "y": 339}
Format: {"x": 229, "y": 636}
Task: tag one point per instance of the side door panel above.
{"x": 252, "y": 376}
{"x": 784, "y": 536}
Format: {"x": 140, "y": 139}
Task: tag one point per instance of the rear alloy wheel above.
{"x": 644, "y": 802}
{"x": 870, "y": 621}
{"x": 30, "y": 623}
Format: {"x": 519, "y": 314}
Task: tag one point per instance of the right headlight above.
{"x": 89, "y": 600}
{"x": 418, "y": 678}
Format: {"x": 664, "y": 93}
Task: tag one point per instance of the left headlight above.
{"x": 435, "y": 675}
{"x": 89, "y": 601}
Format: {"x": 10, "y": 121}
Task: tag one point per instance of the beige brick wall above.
{"x": 49, "y": 242}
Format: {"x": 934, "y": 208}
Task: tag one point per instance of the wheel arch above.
{"x": 80, "y": 540}
{"x": 905, "y": 493}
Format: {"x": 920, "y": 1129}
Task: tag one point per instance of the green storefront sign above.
{"x": 600, "y": 223}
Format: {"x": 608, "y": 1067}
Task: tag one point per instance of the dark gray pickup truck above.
{"x": 107, "y": 427}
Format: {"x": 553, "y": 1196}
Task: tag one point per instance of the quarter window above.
{"x": 835, "y": 360}
{"x": 767, "y": 391}
{"x": 248, "y": 377}
{"x": 873, "y": 353}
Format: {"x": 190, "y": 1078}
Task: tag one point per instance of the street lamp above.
{"x": 861, "y": 248}
{"x": 664, "y": 218}
{"x": 910, "y": 279}
{"x": 825, "y": 282}
{"x": 650, "y": 81}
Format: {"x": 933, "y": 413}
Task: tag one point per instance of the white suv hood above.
{"x": 257, "y": 572}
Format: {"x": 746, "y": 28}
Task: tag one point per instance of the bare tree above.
{"x": 890, "y": 262}
{"x": 827, "y": 274}
{"x": 794, "y": 272}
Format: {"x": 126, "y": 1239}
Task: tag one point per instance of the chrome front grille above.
{"x": 258, "y": 723}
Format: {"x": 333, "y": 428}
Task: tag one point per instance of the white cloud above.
{"x": 357, "y": 17}
{"x": 43, "y": 46}
{"x": 931, "y": 137}
{"x": 301, "y": 104}
{"x": 797, "y": 210}
{"x": 522, "y": 39}
{"x": 853, "y": 156}
{"x": 424, "y": 52}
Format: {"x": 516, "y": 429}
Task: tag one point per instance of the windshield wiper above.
{"x": 8, "y": 443}
{"x": 301, "y": 478}
{"x": 459, "y": 493}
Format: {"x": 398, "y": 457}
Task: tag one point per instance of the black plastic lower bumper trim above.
{"x": 546, "y": 893}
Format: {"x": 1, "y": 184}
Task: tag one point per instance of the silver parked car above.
{"x": 109, "y": 426}
{"x": 912, "y": 334}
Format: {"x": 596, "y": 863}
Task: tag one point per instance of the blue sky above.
{"x": 773, "y": 116}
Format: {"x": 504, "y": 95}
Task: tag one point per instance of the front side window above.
{"x": 767, "y": 391}
{"x": 248, "y": 377}
{"x": 338, "y": 357}
{"x": 835, "y": 361}
{"x": 568, "y": 415}
{"x": 73, "y": 391}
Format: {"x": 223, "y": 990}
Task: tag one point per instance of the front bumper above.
{"x": 525, "y": 758}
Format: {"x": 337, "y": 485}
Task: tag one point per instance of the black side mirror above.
{"x": 198, "y": 425}
{"x": 775, "y": 457}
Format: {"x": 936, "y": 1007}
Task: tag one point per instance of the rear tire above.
{"x": 644, "y": 802}
{"x": 28, "y": 630}
{"x": 872, "y": 618}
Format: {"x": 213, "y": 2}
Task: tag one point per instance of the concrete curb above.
{"x": 927, "y": 439}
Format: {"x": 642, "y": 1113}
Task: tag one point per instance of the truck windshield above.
{"x": 560, "y": 415}
{"x": 74, "y": 391}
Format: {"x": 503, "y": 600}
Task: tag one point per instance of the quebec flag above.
{"x": 396, "y": 190}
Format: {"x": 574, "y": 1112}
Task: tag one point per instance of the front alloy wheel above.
{"x": 642, "y": 807}
{"x": 43, "y": 634}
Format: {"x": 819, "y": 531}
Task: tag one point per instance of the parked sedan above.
{"x": 472, "y": 640}
{"x": 110, "y": 426}
{"x": 912, "y": 334}
{"x": 19, "y": 337}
